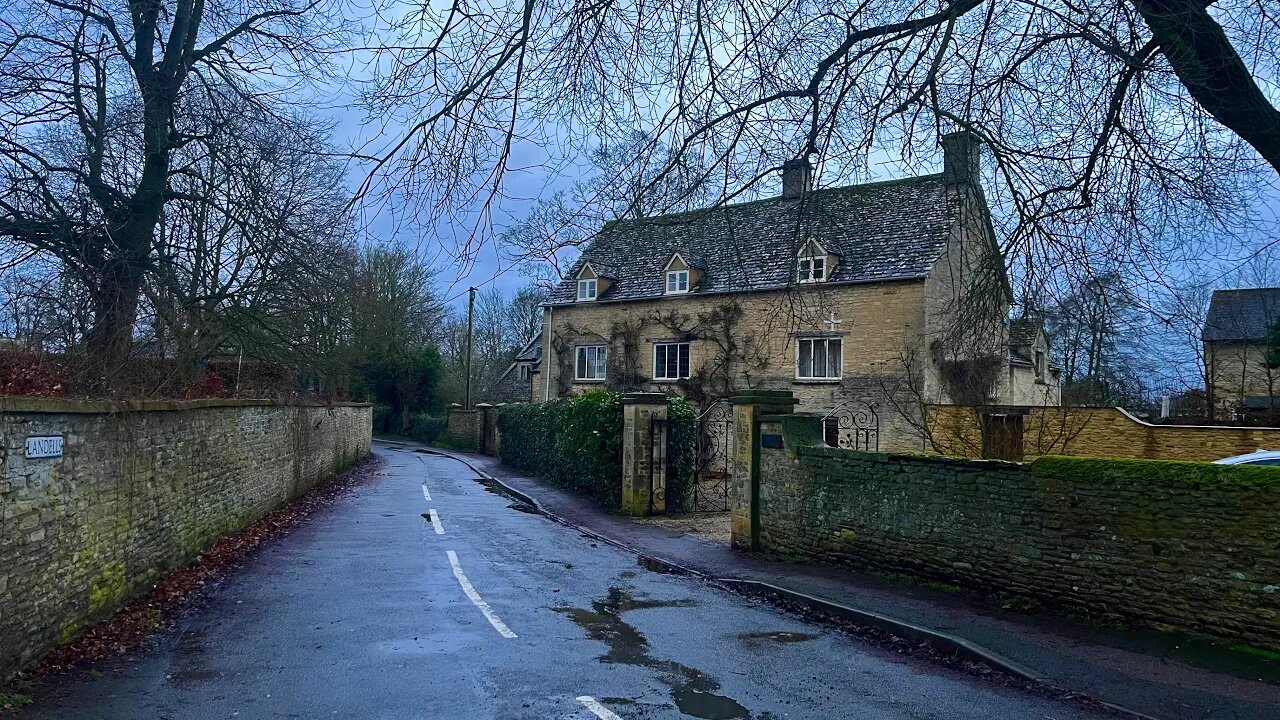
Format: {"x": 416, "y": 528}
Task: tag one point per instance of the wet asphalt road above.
{"x": 360, "y": 613}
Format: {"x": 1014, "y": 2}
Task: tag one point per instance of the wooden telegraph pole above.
{"x": 471, "y": 310}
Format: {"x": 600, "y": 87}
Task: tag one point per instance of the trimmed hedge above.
{"x": 576, "y": 443}
{"x": 1088, "y": 470}
{"x": 427, "y": 429}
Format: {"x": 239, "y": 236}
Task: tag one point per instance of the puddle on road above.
{"x": 693, "y": 691}
{"x": 779, "y": 637}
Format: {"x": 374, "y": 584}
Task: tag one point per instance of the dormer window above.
{"x": 681, "y": 275}
{"x": 677, "y": 281}
{"x": 811, "y": 269}
{"x": 591, "y": 283}
{"x": 813, "y": 263}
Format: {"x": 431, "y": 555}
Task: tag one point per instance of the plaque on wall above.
{"x": 44, "y": 446}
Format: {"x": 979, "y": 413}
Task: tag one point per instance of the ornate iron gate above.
{"x": 660, "y": 464}
{"x": 852, "y": 425}
{"x": 713, "y": 469}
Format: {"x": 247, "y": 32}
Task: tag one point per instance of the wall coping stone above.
{"x": 825, "y": 451}
{"x": 1130, "y": 416}
{"x": 73, "y": 406}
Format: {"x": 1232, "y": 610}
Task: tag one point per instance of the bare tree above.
{"x": 96, "y": 101}
{"x": 1109, "y": 127}
{"x": 260, "y": 221}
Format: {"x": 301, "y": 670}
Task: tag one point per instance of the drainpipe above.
{"x": 547, "y": 354}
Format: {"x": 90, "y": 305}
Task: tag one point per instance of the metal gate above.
{"x": 713, "y": 469}
{"x": 661, "y": 464}
{"x": 852, "y": 425}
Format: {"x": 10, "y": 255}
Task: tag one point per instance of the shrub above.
{"x": 682, "y": 451}
{"x": 427, "y": 429}
{"x": 575, "y": 443}
{"x": 381, "y": 414}
{"x": 588, "y": 436}
{"x": 528, "y": 437}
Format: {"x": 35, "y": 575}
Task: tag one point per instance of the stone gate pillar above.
{"x": 644, "y": 447}
{"x": 748, "y": 409}
{"x": 486, "y": 429}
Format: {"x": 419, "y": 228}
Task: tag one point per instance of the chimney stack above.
{"x": 961, "y": 158}
{"x": 797, "y": 178}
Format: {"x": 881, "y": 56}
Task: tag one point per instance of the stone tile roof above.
{"x": 882, "y": 231}
{"x": 533, "y": 350}
{"x": 1022, "y": 332}
{"x": 1241, "y": 314}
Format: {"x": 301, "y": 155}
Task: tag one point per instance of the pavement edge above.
{"x": 945, "y": 642}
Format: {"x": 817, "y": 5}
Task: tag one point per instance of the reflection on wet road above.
{"x": 394, "y": 604}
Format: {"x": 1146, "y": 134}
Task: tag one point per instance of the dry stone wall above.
{"x": 138, "y": 492}
{"x": 1187, "y": 547}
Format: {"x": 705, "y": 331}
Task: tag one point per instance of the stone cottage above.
{"x": 517, "y": 383}
{"x": 1235, "y": 333}
{"x": 881, "y": 297}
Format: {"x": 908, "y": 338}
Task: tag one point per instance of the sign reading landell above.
{"x": 44, "y": 447}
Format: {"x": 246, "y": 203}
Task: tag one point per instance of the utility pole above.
{"x": 471, "y": 311}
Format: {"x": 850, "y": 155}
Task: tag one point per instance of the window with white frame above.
{"x": 819, "y": 358}
{"x": 587, "y": 289}
{"x": 590, "y": 362}
{"x": 670, "y": 361}
{"x": 811, "y": 269}
{"x": 677, "y": 281}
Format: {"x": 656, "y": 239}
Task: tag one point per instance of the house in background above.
{"x": 1031, "y": 378}
{"x": 518, "y": 383}
{"x": 1235, "y": 333}
{"x": 885, "y": 296}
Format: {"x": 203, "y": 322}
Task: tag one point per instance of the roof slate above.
{"x": 883, "y": 231}
{"x": 1242, "y": 314}
{"x": 1023, "y": 331}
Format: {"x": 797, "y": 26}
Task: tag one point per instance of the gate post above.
{"x": 639, "y": 410}
{"x": 748, "y": 408}
{"x": 486, "y": 434}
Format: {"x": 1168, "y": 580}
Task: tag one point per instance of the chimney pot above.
{"x": 797, "y": 178}
{"x": 961, "y": 158}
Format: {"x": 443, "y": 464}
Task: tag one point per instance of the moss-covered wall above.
{"x": 1181, "y": 546}
{"x": 140, "y": 491}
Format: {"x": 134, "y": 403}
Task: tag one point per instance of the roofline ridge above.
{"x": 1245, "y": 290}
{"x": 748, "y": 203}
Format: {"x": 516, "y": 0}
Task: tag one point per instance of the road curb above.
{"x": 945, "y": 642}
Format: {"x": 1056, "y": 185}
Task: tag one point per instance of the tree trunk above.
{"x": 1202, "y": 57}
{"x": 109, "y": 341}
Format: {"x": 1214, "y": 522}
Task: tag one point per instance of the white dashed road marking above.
{"x": 435, "y": 521}
{"x": 595, "y": 707}
{"x": 476, "y": 600}
{"x": 426, "y": 495}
